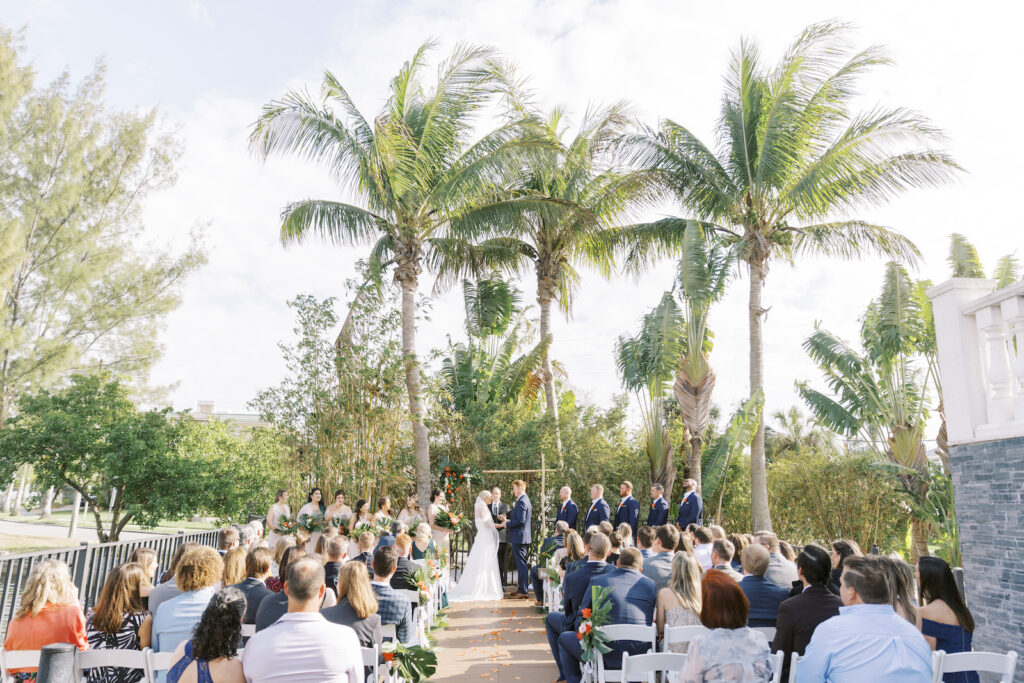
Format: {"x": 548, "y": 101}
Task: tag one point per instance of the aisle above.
{"x": 494, "y": 641}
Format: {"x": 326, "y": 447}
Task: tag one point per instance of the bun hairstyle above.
{"x": 219, "y": 633}
{"x": 434, "y": 495}
{"x": 280, "y": 492}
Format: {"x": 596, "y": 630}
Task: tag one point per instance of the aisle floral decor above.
{"x": 424, "y": 580}
{"x": 287, "y": 525}
{"x": 593, "y": 641}
{"x": 412, "y": 662}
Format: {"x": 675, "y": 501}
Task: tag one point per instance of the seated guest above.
{"x": 393, "y": 608}
{"x": 841, "y": 549}
{"x": 763, "y": 596}
{"x": 944, "y": 619}
{"x": 616, "y": 541}
{"x": 302, "y": 645}
{"x": 198, "y": 571}
{"x": 212, "y": 653}
{"x": 423, "y": 546}
{"x": 234, "y": 566}
{"x": 274, "y": 606}
{"x": 787, "y": 551}
{"x": 781, "y": 571}
{"x": 902, "y": 588}
{"x": 335, "y": 552}
{"x": 389, "y": 538}
{"x": 739, "y": 544}
{"x": 573, "y": 587}
{"x": 572, "y": 565}
{"x": 685, "y": 544}
{"x": 246, "y": 537}
{"x": 366, "y": 543}
{"x": 228, "y": 539}
{"x": 357, "y": 605}
{"x": 405, "y": 569}
{"x": 48, "y": 613}
{"x": 632, "y": 599}
{"x": 730, "y": 651}
{"x": 606, "y": 528}
{"x": 147, "y": 558}
{"x": 119, "y": 621}
{"x": 716, "y": 532}
{"x": 679, "y": 603}
{"x": 868, "y": 641}
{"x": 257, "y": 568}
{"x": 702, "y": 547}
{"x": 548, "y": 546}
{"x": 658, "y": 567}
{"x": 800, "y": 615}
{"x": 331, "y": 532}
{"x": 644, "y": 540}
{"x": 573, "y": 551}
{"x": 168, "y": 587}
{"x": 721, "y": 558}
{"x": 625, "y": 532}
{"x": 274, "y": 581}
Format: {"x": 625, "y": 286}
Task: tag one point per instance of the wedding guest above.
{"x": 211, "y": 655}
{"x": 146, "y": 557}
{"x": 366, "y": 543}
{"x": 234, "y": 566}
{"x": 606, "y": 528}
{"x": 302, "y": 539}
{"x": 691, "y": 507}
{"x": 625, "y": 532}
{"x": 763, "y": 596}
{"x": 548, "y": 546}
{"x": 632, "y": 600}
{"x": 729, "y": 650}
{"x": 616, "y": 540}
{"x": 383, "y": 509}
{"x": 198, "y": 571}
{"x": 679, "y": 603}
{"x": 739, "y": 544}
{"x": 393, "y": 608}
{"x": 274, "y": 583}
{"x": 787, "y": 551}
{"x": 253, "y": 587}
{"x": 657, "y": 515}
{"x": 423, "y": 546}
{"x": 628, "y": 511}
{"x": 227, "y": 539}
{"x": 944, "y": 619}
{"x": 841, "y": 549}
{"x": 598, "y": 511}
{"x": 335, "y": 556}
{"x": 868, "y": 641}
{"x": 357, "y": 605}
{"x": 716, "y": 532}
{"x": 303, "y": 645}
{"x": 274, "y": 606}
{"x": 410, "y": 512}
{"x": 573, "y": 551}
{"x": 168, "y": 587}
{"x": 721, "y": 558}
{"x": 800, "y": 615}
{"x": 119, "y": 621}
{"x": 658, "y": 567}
{"x": 901, "y": 587}
{"x": 644, "y": 541}
{"x": 702, "y": 547}
{"x": 573, "y": 565}
{"x": 685, "y": 544}
{"x": 246, "y": 537}
{"x": 405, "y": 569}
{"x": 568, "y": 512}
{"x": 781, "y": 571}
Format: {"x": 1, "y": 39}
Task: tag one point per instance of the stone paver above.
{"x": 500, "y": 642}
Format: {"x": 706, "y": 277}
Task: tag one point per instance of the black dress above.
{"x": 127, "y": 638}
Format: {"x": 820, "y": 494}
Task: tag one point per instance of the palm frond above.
{"x": 963, "y": 258}
{"x": 454, "y": 258}
{"x": 854, "y": 239}
{"x": 1008, "y": 271}
{"x": 334, "y": 222}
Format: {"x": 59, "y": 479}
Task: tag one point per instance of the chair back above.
{"x": 248, "y": 630}
{"x": 370, "y": 659}
{"x": 16, "y": 659}
{"x": 987, "y": 662}
{"x": 776, "y": 660}
{"x": 389, "y": 631}
{"x": 633, "y": 632}
{"x": 409, "y": 595}
{"x": 127, "y": 659}
{"x": 645, "y": 668}
{"x": 157, "y": 661}
{"x": 792, "y": 666}
{"x": 768, "y": 631}
{"x": 681, "y": 634}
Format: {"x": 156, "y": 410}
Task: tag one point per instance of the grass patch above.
{"x": 63, "y": 518}
{"x": 20, "y": 543}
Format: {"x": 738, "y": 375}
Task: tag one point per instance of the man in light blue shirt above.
{"x": 868, "y": 641}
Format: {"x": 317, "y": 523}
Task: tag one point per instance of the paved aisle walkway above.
{"x": 494, "y": 641}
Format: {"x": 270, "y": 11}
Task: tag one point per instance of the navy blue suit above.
{"x": 628, "y": 512}
{"x": 597, "y": 513}
{"x": 573, "y": 586}
{"x": 633, "y": 598}
{"x": 519, "y": 538}
{"x": 568, "y": 512}
{"x": 658, "y": 513}
{"x": 691, "y": 511}
{"x": 764, "y": 598}
{"x": 549, "y": 545}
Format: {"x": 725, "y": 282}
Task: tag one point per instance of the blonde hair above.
{"x": 49, "y": 583}
{"x": 354, "y": 584}
{"x": 685, "y": 581}
{"x": 147, "y": 558}
{"x": 234, "y": 566}
{"x": 301, "y": 536}
{"x": 483, "y": 495}
{"x": 282, "y": 545}
{"x": 199, "y": 568}
{"x": 366, "y": 541}
{"x": 716, "y": 531}
{"x": 423, "y": 532}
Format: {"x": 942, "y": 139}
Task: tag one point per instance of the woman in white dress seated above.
{"x": 480, "y": 579}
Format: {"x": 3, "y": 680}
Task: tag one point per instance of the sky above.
{"x": 208, "y": 67}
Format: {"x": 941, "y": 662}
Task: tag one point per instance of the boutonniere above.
{"x": 652, "y": 506}
{"x": 622, "y": 503}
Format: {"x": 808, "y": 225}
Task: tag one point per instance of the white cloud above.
{"x": 199, "y": 13}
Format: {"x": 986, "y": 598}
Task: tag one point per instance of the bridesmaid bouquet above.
{"x": 286, "y": 525}
{"x": 448, "y": 520}
{"x": 365, "y": 526}
{"x": 384, "y": 525}
{"x": 311, "y": 523}
{"x": 343, "y": 523}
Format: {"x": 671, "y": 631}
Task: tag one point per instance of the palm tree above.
{"x": 413, "y": 166}
{"x": 557, "y": 214}
{"x": 792, "y": 160}
{"x": 795, "y": 432}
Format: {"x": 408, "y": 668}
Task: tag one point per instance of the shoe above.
{"x": 520, "y": 596}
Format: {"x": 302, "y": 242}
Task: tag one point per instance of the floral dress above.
{"x": 126, "y": 638}
{"x": 726, "y": 655}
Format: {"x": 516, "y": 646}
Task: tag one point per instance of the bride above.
{"x": 480, "y": 579}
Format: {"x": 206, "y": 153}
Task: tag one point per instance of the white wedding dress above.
{"x": 480, "y": 579}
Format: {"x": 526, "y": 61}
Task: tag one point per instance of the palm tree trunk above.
{"x": 407, "y": 276}
{"x": 760, "y": 513}
{"x": 918, "y": 540}
{"x": 545, "y": 296}
{"x": 695, "y": 456}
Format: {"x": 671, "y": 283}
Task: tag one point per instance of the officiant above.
{"x": 499, "y": 509}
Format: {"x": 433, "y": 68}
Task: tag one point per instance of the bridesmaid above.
{"x": 338, "y": 507}
{"x": 383, "y": 509}
{"x": 440, "y": 534}
{"x": 314, "y": 507}
{"x": 279, "y": 508}
{"x": 409, "y": 512}
{"x": 361, "y": 515}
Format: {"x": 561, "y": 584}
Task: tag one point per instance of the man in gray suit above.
{"x": 499, "y": 510}
{"x": 722, "y": 552}
{"x": 781, "y": 571}
{"x": 658, "y": 567}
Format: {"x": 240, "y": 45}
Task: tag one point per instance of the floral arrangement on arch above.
{"x": 454, "y": 477}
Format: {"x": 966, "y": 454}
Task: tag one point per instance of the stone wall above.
{"x": 989, "y": 482}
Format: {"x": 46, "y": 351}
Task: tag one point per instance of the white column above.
{"x": 999, "y": 401}
{"x": 1013, "y": 317}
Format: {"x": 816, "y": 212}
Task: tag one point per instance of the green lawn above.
{"x": 63, "y": 518}
{"x": 20, "y": 543}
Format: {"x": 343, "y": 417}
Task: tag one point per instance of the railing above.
{"x": 89, "y": 565}
{"x": 980, "y": 335}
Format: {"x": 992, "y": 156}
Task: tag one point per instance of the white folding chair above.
{"x": 92, "y": 659}
{"x": 792, "y": 666}
{"x": 680, "y": 634}
{"x": 389, "y": 631}
{"x": 645, "y": 668}
{"x": 617, "y": 632}
{"x": 557, "y": 599}
{"x": 987, "y": 662}
{"x": 937, "y": 665}
{"x": 248, "y": 630}
{"x": 370, "y": 659}
{"x": 16, "y": 659}
{"x": 777, "y": 661}
{"x": 157, "y": 661}
{"x": 768, "y": 631}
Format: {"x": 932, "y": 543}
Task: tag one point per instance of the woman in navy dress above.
{"x": 944, "y": 619}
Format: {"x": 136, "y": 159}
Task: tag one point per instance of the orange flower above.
{"x": 388, "y": 656}
{"x": 579, "y": 636}
{"x": 586, "y": 612}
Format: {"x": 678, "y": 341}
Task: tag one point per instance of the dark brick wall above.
{"x": 989, "y": 483}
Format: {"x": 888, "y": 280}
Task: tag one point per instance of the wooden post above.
{"x": 543, "y": 493}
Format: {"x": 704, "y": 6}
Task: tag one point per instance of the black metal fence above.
{"x": 89, "y": 565}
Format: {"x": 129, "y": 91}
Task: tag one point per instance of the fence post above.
{"x": 81, "y": 565}
{"x": 56, "y": 663}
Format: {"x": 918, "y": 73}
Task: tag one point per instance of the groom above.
{"x": 518, "y": 525}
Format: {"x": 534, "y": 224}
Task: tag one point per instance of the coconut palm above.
{"x": 412, "y": 166}
{"x": 793, "y": 431}
{"x": 792, "y": 161}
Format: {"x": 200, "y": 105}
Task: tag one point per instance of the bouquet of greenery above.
{"x": 384, "y": 525}
{"x": 551, "y": 567}
{"x": 365, "y": 526}
{"x": 448, "y": 520}
{"x": 286, "y": 525}
{"x": 311, "y": 523}
{"x": 593, "y": 641}
{"x": 343, "y": 523}
{"x": 423, "y": 582}
{"x": 412, "y": 662}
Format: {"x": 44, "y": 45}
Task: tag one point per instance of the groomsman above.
{"x": 599, "y": 510}
{"x": 497, "y": 510}
{"x": 567, "y": 510}
{"x": 691, "y": 509}
{"x": 658, "y": 514}
{"x": 629, "y": 507}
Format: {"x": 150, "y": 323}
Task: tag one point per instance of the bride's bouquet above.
{"x": 448, "y": 520}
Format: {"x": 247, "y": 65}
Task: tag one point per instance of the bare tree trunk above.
{"x": 918, "y": 540}
{"x": 407, "y": 275}
{"x": 760, "y": 512}
{"x": 73, "y": 527}
{"x": 544, "y": 298}
{"x": 694, "y": 462}
{"x": 47, "y": 504}
{"x": 8, "y": 498}
{"x": 22, "y": 486}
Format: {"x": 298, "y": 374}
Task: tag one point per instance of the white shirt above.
{"x": 687, "y": 495}
{"x": 703, "y": 554}
{"x": 303, "y": 647}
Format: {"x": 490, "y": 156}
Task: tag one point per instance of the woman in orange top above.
{"x": 49, "y": 613}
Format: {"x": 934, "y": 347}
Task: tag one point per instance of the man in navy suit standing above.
{"x": 599, "y": 510}
{"x": 633, "y": 597}
{"x": 519, "y": 537}
{"x": 628, "y": 511}
{"x": 691, "y": 509}
{"x": 567, "y": 510}
{"x": 658, "y": 515}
